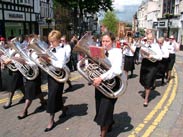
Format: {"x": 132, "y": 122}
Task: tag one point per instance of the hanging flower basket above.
{"x": 48, "y": 20}
{"x": 168, "y": 15}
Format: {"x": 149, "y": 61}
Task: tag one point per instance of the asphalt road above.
{"x": 131, "y": 118}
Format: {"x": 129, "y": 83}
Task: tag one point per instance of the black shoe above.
{"x": 22, "y": 117}
{"x": 7, "y": 106}
{"x": 49, "y": 129}
{"x": 145, "y": 105}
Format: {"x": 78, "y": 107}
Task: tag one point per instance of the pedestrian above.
{"x": 105, "y": 105}
{"x": 55, "y": 88}
{"x": 74, "y": 55}
{"x": 67, "y": 48}
{"x": 149, "y": 67}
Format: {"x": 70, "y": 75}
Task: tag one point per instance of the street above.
{"x": 131, "y": 118}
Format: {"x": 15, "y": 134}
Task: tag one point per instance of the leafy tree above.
{"x": 88, "y": 6}
{"x": 110, "y": 21}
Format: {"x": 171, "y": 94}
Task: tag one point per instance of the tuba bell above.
{"x": 5, "y": 52}
{"x": 91, "y": 68}
{"x": 38, "y": 49}
{"x": 26, "y": 67}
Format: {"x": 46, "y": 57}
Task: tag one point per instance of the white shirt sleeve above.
{"x": 115, "y": 58}
{"x": 157, "y": 50}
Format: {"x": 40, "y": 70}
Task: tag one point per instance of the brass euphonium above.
{"x": 26, "y": 67}
{"x": 38, "y": 49}
{"x": 146, "y": 51}
{"x": 4, "y": 52}
{"x": 91, "y": 68}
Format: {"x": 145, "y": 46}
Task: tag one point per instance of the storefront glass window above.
{"x": 13, "y": 29}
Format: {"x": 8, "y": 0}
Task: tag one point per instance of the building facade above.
{"x": 164, "y": 16}
{"x": 23, "y": 17}
{"x": 18, "y": 17}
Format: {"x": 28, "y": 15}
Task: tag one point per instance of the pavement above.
{"x": 172, "y": 123}
{"x": 79, "y": 122}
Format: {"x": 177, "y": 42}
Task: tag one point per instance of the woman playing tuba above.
{"x": 149, "y": 68}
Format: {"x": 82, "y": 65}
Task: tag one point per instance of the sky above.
{"x": 125, "y": 9}
{"x": 119, "y": 4}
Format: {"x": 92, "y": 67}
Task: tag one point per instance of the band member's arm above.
{"x": 116, "y": 65}
{"x": 157, "y": 50}
{"x": 116, "y": 68}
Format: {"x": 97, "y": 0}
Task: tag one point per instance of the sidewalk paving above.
{"x": 172, "y": 123}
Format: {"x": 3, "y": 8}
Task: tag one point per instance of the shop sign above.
{"x": 9, "y": 15}
{"x": 162, "y": 23}
{"x": 155, "y": 24}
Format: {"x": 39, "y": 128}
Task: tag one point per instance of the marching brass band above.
{"x": 108, "y": 75}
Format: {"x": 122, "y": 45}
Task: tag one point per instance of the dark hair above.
{"x": 110, "y": 34}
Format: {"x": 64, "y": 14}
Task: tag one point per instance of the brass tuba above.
{"x": 145, "y": 52}
{"x": 38, "y": 49}
{"x": 26, "y": 67}
{"x": 4, "y": 52}
{"x": 91, "y": 68}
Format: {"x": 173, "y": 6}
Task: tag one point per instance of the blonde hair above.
{"x": 161, "y": 39}
{"x": 54, "y": 34}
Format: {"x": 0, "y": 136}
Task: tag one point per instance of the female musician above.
{"x": 173, "y": 46}
{"x": 129, "y": 50}
{"x": 148, "y": 68}
{"x": 32, "y": 89}
{"x": 163, "y": 64}
{"x": 105, "y": 105}
{"x": 55, "y": 89}
{"x": 16, "y": 81}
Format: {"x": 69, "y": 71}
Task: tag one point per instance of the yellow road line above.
{"x": 163, "y": 111}
{"x": 43, "y": 88}
{"x": 153, "y": 112}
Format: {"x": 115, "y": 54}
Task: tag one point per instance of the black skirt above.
{"x": 162, "y": 68}
{"x": 129, "y": 64}
{"x": 55, "y": 91}
{"x": 33, "y": 87}
{"x": 16, "y": 81}
{"x": 148, "y": 73}
{"x": 104, "y": 109}
{"x": 171, "y": 61}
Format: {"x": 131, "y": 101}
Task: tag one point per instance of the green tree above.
{"x": 88, "y": 6}
{"x": 111, "y": 21}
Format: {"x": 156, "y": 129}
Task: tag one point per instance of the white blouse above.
{"x": 61, "y": 57}
{"x": 156, "y": 49}
{"x": 115, "y": 58}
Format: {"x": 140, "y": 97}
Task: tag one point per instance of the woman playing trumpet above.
{"x": 129, "y": 50}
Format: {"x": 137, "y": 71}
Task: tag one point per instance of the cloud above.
{"x": 119, "y": 4}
